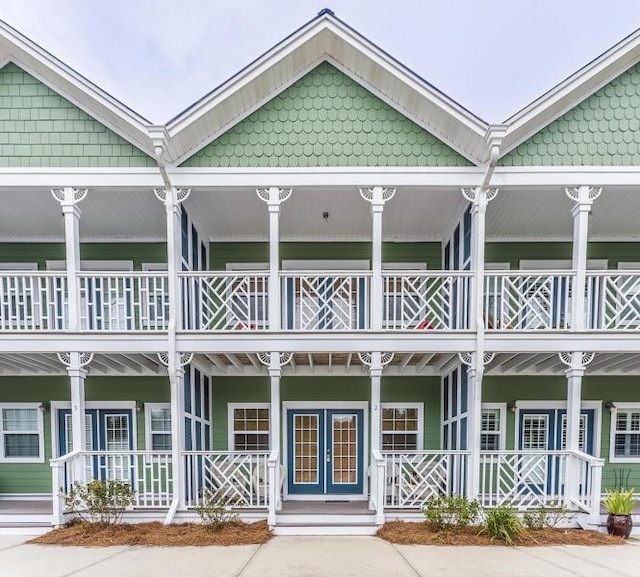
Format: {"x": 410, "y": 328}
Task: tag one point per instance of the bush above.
{"x": 445, "y": 514}
{"x": 215, "y": 510}
{"x": 99, "y": 502}
{"x": 502, "y": 523}
{"x": 546, "y": 517}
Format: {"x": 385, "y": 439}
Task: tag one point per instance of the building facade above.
{"x": 324, "y": 282}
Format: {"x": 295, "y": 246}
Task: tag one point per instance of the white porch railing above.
{"x": 129, "y": 301}
{"x": 150, "y": 474}
{"x": 613, "y": 300}
{"x": 528, "y": 300}
{"x": 242, "y": 478}
{"x": 33, "y": 301}
{"x": 414, "y": 477}
{"x": 220, "y": 301}
{"x": 325, "y": 301}
{"x": 426, "y": 300}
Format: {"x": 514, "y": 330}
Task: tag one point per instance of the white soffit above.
{"x": 326, "y": 38}
{"x": 14, "y": 47}
{"x": 569, "y": 93}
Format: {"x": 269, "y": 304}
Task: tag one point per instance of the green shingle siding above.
{"x": 40, "y": 128}
{"x": 326, "y": 119}
{"x": 603, "y": 130}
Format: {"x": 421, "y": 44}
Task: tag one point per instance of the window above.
{"x": 492, "y": 427}
{"x": 401, "y": 427}
{"x": 625, "y": 425}
{"x": 21, "y": 438}
{"x": 249, "y": 427}
{"x": 158, "y": 419}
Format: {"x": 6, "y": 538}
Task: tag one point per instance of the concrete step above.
{"x": 25, "y": 528}
{"x": 335, "y": 519}
{"x": 353, "y": 529}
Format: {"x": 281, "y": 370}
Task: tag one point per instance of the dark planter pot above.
{"x": 619, "y": 525}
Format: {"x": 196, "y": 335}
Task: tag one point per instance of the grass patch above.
{"x": 156, "y": 535}
{"x": 405, "y": 533}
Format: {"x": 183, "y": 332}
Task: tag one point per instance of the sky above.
{"x": 159, "y": 56}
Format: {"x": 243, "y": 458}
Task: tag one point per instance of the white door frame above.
{"x": 319, "y": 405}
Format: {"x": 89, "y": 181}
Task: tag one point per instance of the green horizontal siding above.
{"x": 36, "y": 477}
{"x": 393, "y": 389}
{"x": 40, "y": 128}
{"x": 326, "y": 119}
{"x": 41, "y": 252}
{"x": 603, "y": 130}
{"x": 554, "y": 388}
{"x": 222, "y": 253}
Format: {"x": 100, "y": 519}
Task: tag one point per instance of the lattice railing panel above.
{"x": 613, "y": 301}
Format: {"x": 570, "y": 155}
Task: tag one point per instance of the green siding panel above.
{"x": 40, "y": 128}
{"x": 554, "y": 388}
{"x": 603, "y": 130}
{"x": 36, "y": 477}
{"x": 326, "y": 119}
{"x": 222, "y": 253}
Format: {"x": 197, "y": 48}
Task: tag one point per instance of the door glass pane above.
{"x": 534, "y": 432}
{"x": 344, "y": 435}
{"x": 582, "y": 439}
{"x": 305, "y": 449}
{"x": 88, "y": 432}
{"x": 117, "y": 432}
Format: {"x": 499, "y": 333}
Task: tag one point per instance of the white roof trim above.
{"x": 570, "y": 92}
{"x": 325, "y": 38}
{"x": 16, "y": 48}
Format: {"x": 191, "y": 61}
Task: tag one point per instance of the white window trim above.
{"x": 325, "y": 265}
{"x": 233, "y": 266}
{"x": 420, "y": 430}
{"x": 612, "y": 432}
{"x": 148, "y": 407}
{"x": 411, "y": 266}
{"x": 22, "y": 266}
{"x": 561, "y": 264}
{"x": 40, "y": 421}
{"x": 497, "y": 266}
{"x": 502, "y": 420}
{"x": 230, "y": 428}
{"x": 155, "y": 267}
{"x": 93, "y": 265}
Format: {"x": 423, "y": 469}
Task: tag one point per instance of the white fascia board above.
{"x": 561, "y": 341}
{"x": 87, "y": 342}
{"x": 74, "y": 87}
{"x": 570, "y": 92}
{"x": 561, "y": 176}
{"x": 80, "y": 177}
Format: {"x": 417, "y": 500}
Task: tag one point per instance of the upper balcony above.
{"x": 319, "y": 301}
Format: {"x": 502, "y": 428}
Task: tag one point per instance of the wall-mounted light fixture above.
{"x": 139, "y": 405}
{"x": 45, "y": 406}
{"x": 511, "y": 405}
{"x": 609, "y": 405}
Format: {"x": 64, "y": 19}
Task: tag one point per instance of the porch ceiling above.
{"x": 550, "y": 364}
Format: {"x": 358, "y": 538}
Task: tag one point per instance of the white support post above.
{"x": 274, "y": 196}
{"x": 583, "y": 197}
{"x": 69, "y": 197}
{"x": 377, "y": 196}
{"x": 375, "y": 372}
{"x": 474, "y": 392}
{"x": 275, "y": 372}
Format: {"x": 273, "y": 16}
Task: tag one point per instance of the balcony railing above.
{"x": 530, "y": 301}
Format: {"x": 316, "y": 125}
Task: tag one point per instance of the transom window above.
{"x": 21, "y": 433}
{"x": 401, "y": 427}
{"x": 158, "y": 427}
{"x": 249, "y": 427}
{"x": 626, "y": 434}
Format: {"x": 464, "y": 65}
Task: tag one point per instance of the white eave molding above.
{"x": 16, "y": 48}
{"x": 326, "y": 38}
{"x": 570, "y": 92}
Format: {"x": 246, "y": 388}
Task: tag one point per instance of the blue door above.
{"x": 325, "y": 451}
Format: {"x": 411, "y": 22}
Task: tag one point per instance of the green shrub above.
{"x": 215, "y": 510}
{"x": 619, "y": 502}
{"x": 445, "y": 514}
{"x": 546, "y": 517}
{"x": 502, "y": 523}
{"x": 99, "y": 502}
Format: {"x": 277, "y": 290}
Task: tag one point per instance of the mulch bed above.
{"x": 156, "y": 535}
{"x": 420, "y": 534}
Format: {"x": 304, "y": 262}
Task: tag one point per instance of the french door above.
{"x": 325, "y": 451}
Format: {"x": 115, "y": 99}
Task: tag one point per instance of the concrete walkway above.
{"x": 316, "y": 556}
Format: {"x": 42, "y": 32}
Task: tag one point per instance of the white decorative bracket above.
{"x": 69, "y": 196}
{"x": 583, "y": 194}
{"x": 159, "y": 138}
{"x": 385, "y": 358}
{"x": 568, "y": 359}
{"x": 274, "y": 195}
{"x": 477, "y": 196}
{"x": 467, "y": 358}
{"x": 265, "y": 358}
{"x": 185, "y": 358}
{"x": 181, "y": 194}
{"x": 377, "y": 195}
{"x": 65, "y": 359}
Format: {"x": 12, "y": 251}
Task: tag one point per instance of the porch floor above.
{"x": 325, "y": 508}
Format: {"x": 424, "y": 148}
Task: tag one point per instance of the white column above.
{"x": 474, "y": 392}
{"x": 377, "y": 196}
{"x": 574, "y": 375}
{"x": 583, "y": 197}
{"x": 176, "y": 385}
{"x": 69, "y": 197}
{"x": 274, "y": 196}
{"x": 275, "y": 372}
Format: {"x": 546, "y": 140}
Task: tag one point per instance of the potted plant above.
{"x": 619, "y": 504}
